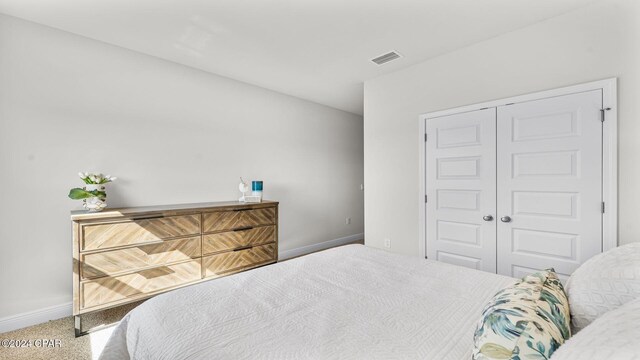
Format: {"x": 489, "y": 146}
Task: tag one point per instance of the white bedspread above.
{"x": 350, "y": 302}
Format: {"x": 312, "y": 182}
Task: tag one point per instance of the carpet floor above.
{"x": 55, "y": 340}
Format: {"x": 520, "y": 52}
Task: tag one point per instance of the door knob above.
{"x": 487, "y": 218}
{"x": 505, "y": 219}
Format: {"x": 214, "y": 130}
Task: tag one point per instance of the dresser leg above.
{"x": 77, "y": 320}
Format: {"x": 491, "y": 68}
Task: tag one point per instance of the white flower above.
{"x": 98, "y": 178}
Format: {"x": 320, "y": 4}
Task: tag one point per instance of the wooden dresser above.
{"x": 129, "y": 254}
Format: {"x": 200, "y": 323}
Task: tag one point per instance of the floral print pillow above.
{"x": 526, "y": 321}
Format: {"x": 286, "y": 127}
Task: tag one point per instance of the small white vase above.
{"x": 99, "y": 187}
{"x": 95, "y": 203}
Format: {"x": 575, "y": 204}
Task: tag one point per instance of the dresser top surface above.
{"x": 166, "y": 210}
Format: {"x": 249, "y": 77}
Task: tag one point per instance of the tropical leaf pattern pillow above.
{"x": 526, "y": 321}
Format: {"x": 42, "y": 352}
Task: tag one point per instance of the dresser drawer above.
{"x": 229, "y": 240}
{"x": 117, "y": 261}
{"x": 220, "y": 264}
{"x": 231, "y": 220}
{"x": 104, "y": 236}
{"x": 139, "y": 284}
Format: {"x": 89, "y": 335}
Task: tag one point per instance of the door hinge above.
{"x": 425, "y": 198}
{"x": 602, "y": 207}
{"x": 425, "y": 137}
{"x": 602, "y": 111}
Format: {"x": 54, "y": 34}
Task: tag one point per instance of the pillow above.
{"x": 603, "y": 283}
{"x": 613, "y": 336}
{"x": 528, "y": 320}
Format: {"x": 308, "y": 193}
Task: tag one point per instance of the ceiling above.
{"x": 317, "y": 50}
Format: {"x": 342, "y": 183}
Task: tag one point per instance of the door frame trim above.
{"x": 609, "y": 151}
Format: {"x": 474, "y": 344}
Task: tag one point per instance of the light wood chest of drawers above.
{"x": 125, "y": 255}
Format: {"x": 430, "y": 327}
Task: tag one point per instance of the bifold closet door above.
{"x": 549, "y": 183}
{"x": 461, "y": 189}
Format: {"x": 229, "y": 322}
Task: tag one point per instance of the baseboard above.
{"x": 35, "y": 317}
{"x": 319, "y": 246}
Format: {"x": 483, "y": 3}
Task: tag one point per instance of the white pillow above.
{"x": 603, "y": 283}
{"x": 613, "y": 336}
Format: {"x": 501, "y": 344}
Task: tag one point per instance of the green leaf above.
{"x": 80, "y": 194}
{"x": 495, "y": 351}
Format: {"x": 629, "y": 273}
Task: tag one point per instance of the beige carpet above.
{"x": 62, "y": 330}
{"x": 71, "y": 348}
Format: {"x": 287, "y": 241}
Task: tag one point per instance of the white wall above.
{"x": 596, "y": 42}
{"x": 171, "y": 133}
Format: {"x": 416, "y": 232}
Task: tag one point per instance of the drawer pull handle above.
{"x": 148, "y": 217}
{"x": 243, "y": 228}
{"x": 241, "y": 209}
{"x": 243, "y": 248}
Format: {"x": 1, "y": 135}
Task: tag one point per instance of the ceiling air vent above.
{"x": 383, "y": 59}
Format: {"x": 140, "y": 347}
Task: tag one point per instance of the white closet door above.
{"x": 549, "y": 157}
{"x": 461, "y": 189}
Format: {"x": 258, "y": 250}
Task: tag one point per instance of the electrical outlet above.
{"x": 347, "y": 221}
{"x": 387, "y": 243}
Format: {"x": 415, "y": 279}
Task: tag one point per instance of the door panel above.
{"x": 461, "y": 189}
{"x": 549, "y": 160}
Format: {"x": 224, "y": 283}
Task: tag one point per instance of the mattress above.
{"x": 350, "y": 302}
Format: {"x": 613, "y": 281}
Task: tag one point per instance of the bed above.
{"x": 350, "y": 302}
